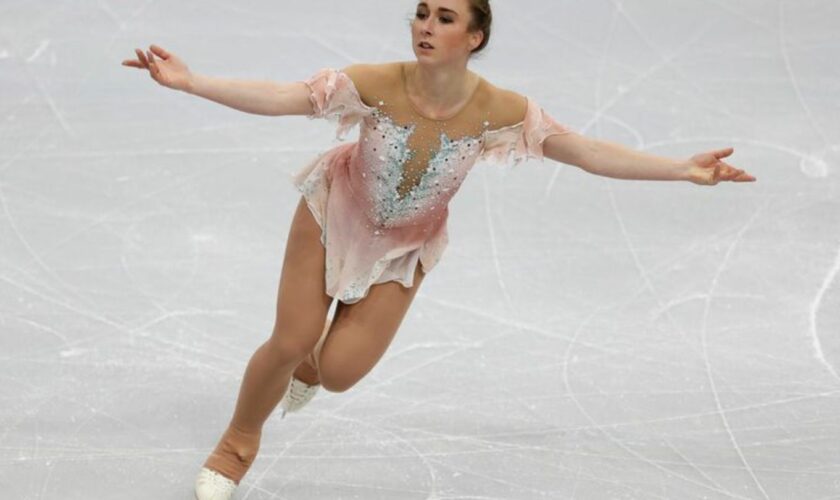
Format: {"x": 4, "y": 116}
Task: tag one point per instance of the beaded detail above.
{"x": 382, "y": 202}
{"x": 398, "y": 188}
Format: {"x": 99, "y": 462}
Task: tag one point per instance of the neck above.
{"x": 441, "y": 87}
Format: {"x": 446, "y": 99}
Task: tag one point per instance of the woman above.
{"x": 424, "y": 124}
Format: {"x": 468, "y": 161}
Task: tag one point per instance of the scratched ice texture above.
{"x": 582, "y": 336}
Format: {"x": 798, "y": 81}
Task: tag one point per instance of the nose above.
{"x": 425, "y": 26}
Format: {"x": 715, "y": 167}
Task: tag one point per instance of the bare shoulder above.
{"x": 366, "y": 73}
{"x": 369, "y": 78}
{"x": 506, "y": 106}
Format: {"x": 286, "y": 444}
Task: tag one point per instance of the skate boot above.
{"x": 227, "y": 464}
{"x": 210, "y": 485}
{"x": 298, "y": 394}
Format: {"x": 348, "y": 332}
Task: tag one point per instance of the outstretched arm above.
{"x": 614, "y": 160}
{"x": 259, "y": 97}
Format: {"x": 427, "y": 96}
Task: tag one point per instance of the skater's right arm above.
{"x": 251, "y": 96}
{"x": 260, "y": 97}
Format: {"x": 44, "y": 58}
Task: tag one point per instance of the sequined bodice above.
{"x": 404, "y": 174}
{"x": 411, "y": 165}
{"x": 406, "y": 165}
{"x": 382, "y": 201}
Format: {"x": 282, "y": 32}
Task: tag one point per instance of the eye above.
{"x": 443, "y": 19}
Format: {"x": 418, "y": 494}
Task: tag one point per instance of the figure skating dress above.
{"x": 382, "y": 202}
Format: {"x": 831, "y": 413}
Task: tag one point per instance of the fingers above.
{"x": 141, "y": 62}
{"x": 158, "y": 51}
{"x": 152, "y": 62}
{"x": 717, "y": 171}
{"x": 147, "y": 59}
{"x": 731, "y": 173}
{"x": 142, "y": 58}
{"x": 723, "y": 153}
{"x": 744, "y": 177}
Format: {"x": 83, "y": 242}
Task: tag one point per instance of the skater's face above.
{"x": 445, "y": 25}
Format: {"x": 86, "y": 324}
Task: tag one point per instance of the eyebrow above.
{"x": 423, "y": 4}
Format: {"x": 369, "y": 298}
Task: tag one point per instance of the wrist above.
{"x": 684, "y": 169}
{"x": 193, "y": 81}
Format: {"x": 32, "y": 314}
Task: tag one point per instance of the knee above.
{"x": 336, "y": 383}
{"x": 287, "y": 349}
{"x": 337, "y": 376}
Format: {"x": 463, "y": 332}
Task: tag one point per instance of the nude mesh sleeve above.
{"x": 523, "y": 141}
{"x": 335, "y": 98}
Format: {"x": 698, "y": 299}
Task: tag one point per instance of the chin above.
{"x": 421, "y": 56}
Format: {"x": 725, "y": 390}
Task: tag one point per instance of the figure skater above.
{"x": 371, "y": 219}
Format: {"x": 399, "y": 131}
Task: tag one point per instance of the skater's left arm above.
{"x": 614, "y": 160}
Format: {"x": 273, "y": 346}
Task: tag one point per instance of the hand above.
{"x": 707, "y": 169}
{"x": 168, "y": 70}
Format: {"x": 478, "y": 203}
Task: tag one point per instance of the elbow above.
{"x": 588, "y": 154}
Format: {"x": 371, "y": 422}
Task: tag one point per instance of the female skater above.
{"x": 371, "y": 221}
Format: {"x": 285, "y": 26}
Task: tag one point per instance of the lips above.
{"x": 425, "y": 45}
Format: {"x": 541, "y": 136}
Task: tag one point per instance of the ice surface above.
{"x": 583, "y": 337}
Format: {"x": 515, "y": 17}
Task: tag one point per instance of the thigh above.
{"x": 302, "y": 300}
{"x": 361, "y": 332}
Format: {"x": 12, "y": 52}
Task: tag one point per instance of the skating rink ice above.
{"x": 583, "y": 337}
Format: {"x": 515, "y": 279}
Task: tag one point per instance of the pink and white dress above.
{"x": 382, "y": 202}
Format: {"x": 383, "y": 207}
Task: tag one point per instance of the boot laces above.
{"x": 299, "y": 392}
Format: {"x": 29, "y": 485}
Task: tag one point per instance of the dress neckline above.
{"x": 416, "y": 110}
{"x": 375, "y": 109}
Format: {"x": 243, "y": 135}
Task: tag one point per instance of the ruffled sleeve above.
{"x": 523, "y": 141}
{"x": 335, "y": 98}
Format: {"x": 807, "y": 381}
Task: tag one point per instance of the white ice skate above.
{"x": 298, "y": 393}
{"x": 210, "y": 485}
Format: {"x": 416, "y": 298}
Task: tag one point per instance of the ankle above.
{"x": 235, "y": 453}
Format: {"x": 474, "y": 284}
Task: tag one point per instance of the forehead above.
{"x": 450, "y": 5}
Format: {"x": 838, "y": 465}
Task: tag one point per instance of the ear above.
{"x": 476, "y": 39}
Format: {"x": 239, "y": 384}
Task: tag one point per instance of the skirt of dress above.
{"x": 358, "y": 254}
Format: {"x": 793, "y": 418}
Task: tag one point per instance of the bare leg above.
{"x": 263, "y": 385}
{"x": 362, "y": 332}
{"x": 302, "y": 306}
